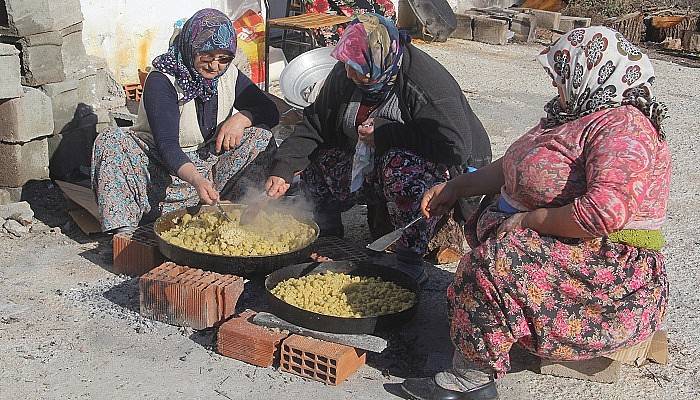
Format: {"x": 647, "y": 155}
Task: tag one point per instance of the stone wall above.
{"x": 53, "y": 98}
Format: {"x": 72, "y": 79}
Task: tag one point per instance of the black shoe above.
{"x": 428, "y": 389}
{"x": 329, "y": 223}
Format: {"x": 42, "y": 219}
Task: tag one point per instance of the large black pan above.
{"x": 327, "y": 323}
{"x": 241, "y": 266}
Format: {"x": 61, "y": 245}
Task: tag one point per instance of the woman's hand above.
{"x": 231, "y": 131}
{"x": 276, "y": 187}
{"x": 205, "y": 190}
{"x": 439, "y": 199}
{"x": 365, "y": 132}
{"x": 515, "y": 222}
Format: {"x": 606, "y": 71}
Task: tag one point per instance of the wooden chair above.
{"x": 301, "y": 22}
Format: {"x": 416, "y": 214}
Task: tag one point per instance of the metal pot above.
{"x": 327, "y": 323}
{"x": 241, "y": 266}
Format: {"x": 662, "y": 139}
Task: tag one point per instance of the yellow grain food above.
{"x": 343, "y": 295}
{"x": 272, "y": 233}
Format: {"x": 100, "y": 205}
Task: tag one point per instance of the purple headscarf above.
{"x": 206, "y": 30}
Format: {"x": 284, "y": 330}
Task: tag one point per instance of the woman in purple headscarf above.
{"x": 389, "y": 123}
{"x": 201, "y": 133}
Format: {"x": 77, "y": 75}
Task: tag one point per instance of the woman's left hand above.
{"x": 365, "y": 132}
{"x": 513, "y": 223}
{"x": 231, "y": 132}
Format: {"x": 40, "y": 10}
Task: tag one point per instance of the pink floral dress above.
{"x": 562, "y": 298}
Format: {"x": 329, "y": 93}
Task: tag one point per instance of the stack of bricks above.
{"x": 55, "y": 96}
{"x": 322, "y": 361}
{"x": 135, "y": 251}
{"x": 242, "y": 340}
{"x": 190, "y": 297}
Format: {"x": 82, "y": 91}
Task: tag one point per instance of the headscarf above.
{"x": 599, "y": 69}
{"x": 206, "y": 30}
{"x": 373, "y": 46}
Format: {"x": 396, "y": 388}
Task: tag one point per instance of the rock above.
{"x": 5, "y": 197}
{"x": 20, "y": 209}
{"x": 15, "y": 228}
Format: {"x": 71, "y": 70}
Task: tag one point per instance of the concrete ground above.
{"x": 69, "y": 329}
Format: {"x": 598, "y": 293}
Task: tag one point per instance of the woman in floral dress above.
{"x": 202, "y": 131}
{"x": 566, "y": 260}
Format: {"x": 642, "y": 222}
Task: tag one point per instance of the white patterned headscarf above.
{"x": 599, "y": 69}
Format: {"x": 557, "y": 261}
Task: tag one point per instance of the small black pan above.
{"x": 327, "y": 323}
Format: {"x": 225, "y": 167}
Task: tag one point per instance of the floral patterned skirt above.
{"x": 132, "y": 186}
{"x": 399, "y": 179}
{"x": 565, "y": 299}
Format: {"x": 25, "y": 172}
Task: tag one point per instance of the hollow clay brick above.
{"x": 242, "y": 340}
{"x": 330, "y": 363}
{"x": 136, "y": 252}
{"x": 186, "y": 296}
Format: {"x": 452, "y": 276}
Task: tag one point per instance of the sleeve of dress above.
{"x": 619, "y": 158}
{"x": 250, "y": 98}
{"x": 163, "y": 112}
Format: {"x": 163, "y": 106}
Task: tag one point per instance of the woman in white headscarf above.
{"x": 566, "y": 260}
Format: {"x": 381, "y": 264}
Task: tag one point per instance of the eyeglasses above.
{"x": 223, "y": 60}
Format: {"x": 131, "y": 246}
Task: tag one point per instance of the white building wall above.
{"x": 130, "y": 33}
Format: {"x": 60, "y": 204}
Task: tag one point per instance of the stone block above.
{"x": 523, "y": 27}
{"x": 490, "y": 30}
{"x": 26, "y": 118}
{"x": 10, "y": 84}
{"x": 64, "y": 98}
{"x": 29, "y": 17}
{"x": 65, "y": 13}
{"x": 21, "y": 163}
{"x": 464, "y": 27}
{"x": 25, "y": 17}
{"x": 691, "y": 41}
{"x": 108, "y": 92}
{"x": 547, "y": 19}
{"x": 567, "y": 23}
{"x": 20, "y": 210}
{"x": 73, "y": 55}
{"x": 42, "y": 61}
{"x": 5, "y": 197}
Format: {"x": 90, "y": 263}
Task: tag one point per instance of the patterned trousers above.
{"x": 399, "y": 179}
{"x": 132, "y": 186}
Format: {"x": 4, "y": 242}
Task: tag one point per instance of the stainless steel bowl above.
{"x": 303, "y": 71}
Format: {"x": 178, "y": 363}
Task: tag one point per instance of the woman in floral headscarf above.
{"x": 201, "y": 133}
{"x": 389, "y": 123}
{"x": 566, "y": 262}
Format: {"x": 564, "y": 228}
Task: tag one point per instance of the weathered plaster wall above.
{"x": 130, "y": 33}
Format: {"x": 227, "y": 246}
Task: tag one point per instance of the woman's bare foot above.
{"x": 319, "y": 258}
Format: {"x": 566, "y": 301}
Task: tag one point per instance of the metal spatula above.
{"x": 390, "y": 238}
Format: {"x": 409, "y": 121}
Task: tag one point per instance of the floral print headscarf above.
{"x": 206, "y": 30}
{"x": 372, "y": 45}
{"x": 599, "y": 69}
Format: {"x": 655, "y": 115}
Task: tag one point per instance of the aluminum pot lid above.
{"x": 300, "y": 76}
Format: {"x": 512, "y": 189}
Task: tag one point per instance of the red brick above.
{"x": 242, "y": 340}
{"x": 136, "y": 252}
{"x": 186, "y": 296}
{"x": 330, "y": 363}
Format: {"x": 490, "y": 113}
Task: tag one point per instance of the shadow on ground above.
{"x": 125, "y": 295}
